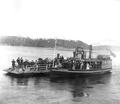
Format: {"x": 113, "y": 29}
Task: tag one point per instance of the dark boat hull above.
{"x": 59, "y": 72}
{"x": 64, "y": 72}
{"x": 27, "y": 74}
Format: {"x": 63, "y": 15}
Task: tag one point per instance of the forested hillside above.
{"x": 21, "y": 41}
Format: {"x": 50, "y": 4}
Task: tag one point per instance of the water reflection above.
{"x": 22, "y": 81}
{"x": 18, "y": 81}
{"x": 27, "y": 81}
{"x": 74, "y": 83}
{"x": 81, "y": 86}
{"x": 59, "y": 90}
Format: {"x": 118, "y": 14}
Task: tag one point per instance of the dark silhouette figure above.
{"x": 13, "y": 63}
{"x": 18, "y": 61}
{"x": 21, "y": 62}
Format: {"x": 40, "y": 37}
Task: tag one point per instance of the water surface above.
{"x": 101, "y": 89}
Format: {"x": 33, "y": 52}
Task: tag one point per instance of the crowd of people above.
{"x": 59, "y": 61}
{"x": 72, "y": 64}
{"x": 20, "y": 63}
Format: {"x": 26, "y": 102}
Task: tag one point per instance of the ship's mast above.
{"x": 54, "y": 52}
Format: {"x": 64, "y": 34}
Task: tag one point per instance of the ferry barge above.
{"x": 41, "y": 69}
{"x": 79, "y": 64}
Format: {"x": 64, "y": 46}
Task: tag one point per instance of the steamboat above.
{"x": 79, "y": 64}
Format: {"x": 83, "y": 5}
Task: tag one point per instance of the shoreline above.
{"x": 58, "y": 48}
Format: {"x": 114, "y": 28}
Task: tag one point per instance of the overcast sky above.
{"x": 91, "y": 21}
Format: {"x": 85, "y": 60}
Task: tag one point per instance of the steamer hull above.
{"x": 80, "y": 73}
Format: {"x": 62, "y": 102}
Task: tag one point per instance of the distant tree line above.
{"x": 21, "y": 41}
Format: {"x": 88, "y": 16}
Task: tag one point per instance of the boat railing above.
{"x": 38, "y": 66}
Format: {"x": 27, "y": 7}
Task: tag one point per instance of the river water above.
{"x": 101, "y": 89}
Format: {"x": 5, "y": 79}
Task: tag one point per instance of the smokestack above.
{"x": 74, "y": 54}
{"x": 58, "y": 56}
{"x": 90, "y": 51}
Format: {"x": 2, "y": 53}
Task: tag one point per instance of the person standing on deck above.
{"x": 81, "y": 66}
{"x": 74, "y": 65}
{"x": 13, "y": 64}
{"x": 18, "y": 61}
{"x": 21, "y": 62}
{"x": 25, "y": 63}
